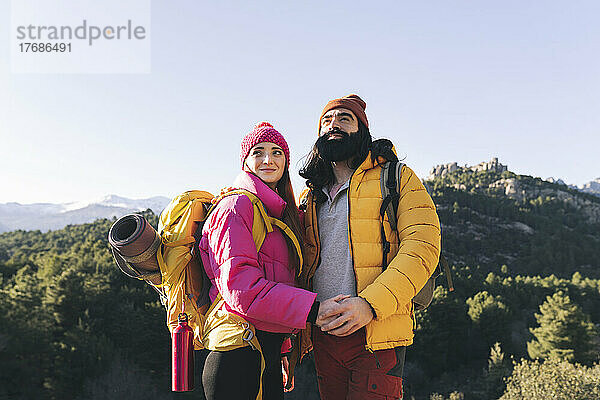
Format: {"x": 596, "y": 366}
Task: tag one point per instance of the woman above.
{"x": 259, "y": 286}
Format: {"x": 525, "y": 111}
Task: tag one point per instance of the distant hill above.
{"x": 48, "y": 216}
{"x": 493, "y": 217}
{"x": 441, "y": 170}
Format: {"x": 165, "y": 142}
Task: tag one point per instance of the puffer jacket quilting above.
{"x": 415, "y": 249}
{"x": 258, "y": 286}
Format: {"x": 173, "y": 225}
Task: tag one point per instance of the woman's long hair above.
{"x": 291, "y": 217}
{"x": 318, "y": 171}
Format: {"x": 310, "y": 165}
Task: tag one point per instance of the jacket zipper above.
{"x": 353, "y": 266}
{"x": 350, "y": 236}
{"x": 317, "y": 261}
{"x": 374, "y": 355}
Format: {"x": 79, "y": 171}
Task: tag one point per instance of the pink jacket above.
{"x": 258, "y": 287}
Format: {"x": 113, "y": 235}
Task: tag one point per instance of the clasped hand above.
{"x": 343, "y": 315}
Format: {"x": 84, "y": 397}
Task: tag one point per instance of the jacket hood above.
{"x": 271, "y": 200}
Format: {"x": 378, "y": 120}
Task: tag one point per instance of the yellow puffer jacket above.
{"x": 415, "y": 250}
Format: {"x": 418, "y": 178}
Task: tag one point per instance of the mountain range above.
{"x": 48, "y": 216}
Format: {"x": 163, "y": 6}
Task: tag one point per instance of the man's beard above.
{"x": 342, "y": 149}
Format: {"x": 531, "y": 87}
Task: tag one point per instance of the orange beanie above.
{"x": 353, "y": 103}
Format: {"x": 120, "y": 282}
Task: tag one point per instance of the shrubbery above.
{"x": 553, "y": 379}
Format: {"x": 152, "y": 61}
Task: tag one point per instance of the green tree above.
{"x": 564, "y": 332}
{"x": 21, "y": 341}
{"x": 441, "y": 341}
{"x": 490, "y": 315}
{"x": 498, "y": 370}
{"x": 552, "y": 379}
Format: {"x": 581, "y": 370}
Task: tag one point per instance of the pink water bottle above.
{"x": 183, "y": 356}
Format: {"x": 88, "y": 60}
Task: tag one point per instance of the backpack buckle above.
{"x": 248, "y": 335}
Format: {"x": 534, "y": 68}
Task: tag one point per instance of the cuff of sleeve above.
{"x": 372, "y": 309}
{"x": 312, "y": 315}
{"x": 286, "y": 347}
{"x": 384, "y": 301}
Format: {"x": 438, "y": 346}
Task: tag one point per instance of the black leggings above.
{"x": 234, "y": 374}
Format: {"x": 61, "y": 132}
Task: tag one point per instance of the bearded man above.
{"x": 359, "y": 342}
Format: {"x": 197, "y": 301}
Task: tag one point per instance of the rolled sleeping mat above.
{"x": 134, "y": 243}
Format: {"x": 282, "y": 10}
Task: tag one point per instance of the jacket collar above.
{"x": 271, "y": 200}
{"x": 369, "y": 163}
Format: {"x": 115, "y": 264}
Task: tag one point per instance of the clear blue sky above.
{"x": 447, "y": 81}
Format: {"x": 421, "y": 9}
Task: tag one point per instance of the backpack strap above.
{"x": 389, "y": 183}
{"x": 263, "y": 224}
{"x": 289, "y": 233}
{"x": 390, "y": 189}
{"x": 444, "y": 263}
{"x": 269, "y": 222}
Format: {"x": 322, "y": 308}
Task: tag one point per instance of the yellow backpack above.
{"x": 184, "y": 281}
{"x": 184, "y": 286}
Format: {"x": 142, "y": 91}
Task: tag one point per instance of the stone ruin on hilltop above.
{"x": 443, "y": 169}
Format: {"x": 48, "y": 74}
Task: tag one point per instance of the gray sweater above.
{"x": 335, "y": 273}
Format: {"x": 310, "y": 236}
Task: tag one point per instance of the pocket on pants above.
{"x": 385, "y": 385}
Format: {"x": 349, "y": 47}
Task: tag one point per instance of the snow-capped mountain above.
{"x": 48, "y": 216}
{"x": 592, "y": 187}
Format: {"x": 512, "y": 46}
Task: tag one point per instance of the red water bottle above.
{"x": 183, "y": 356}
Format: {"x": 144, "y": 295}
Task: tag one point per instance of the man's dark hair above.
{"x": 318, "y": 171}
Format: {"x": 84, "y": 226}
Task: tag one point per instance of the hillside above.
{"x": 495, "y": 217}
{"x": 514, "y": 240}
{"x": 72, "y": 326}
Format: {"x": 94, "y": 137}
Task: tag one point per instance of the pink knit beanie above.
{"x": 263, "y": 132}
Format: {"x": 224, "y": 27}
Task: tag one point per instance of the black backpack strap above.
{"x": 389, "y": 182}
{"x": 444, "y": 263}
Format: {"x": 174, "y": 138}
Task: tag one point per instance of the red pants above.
{"x": 346, "y": 370}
